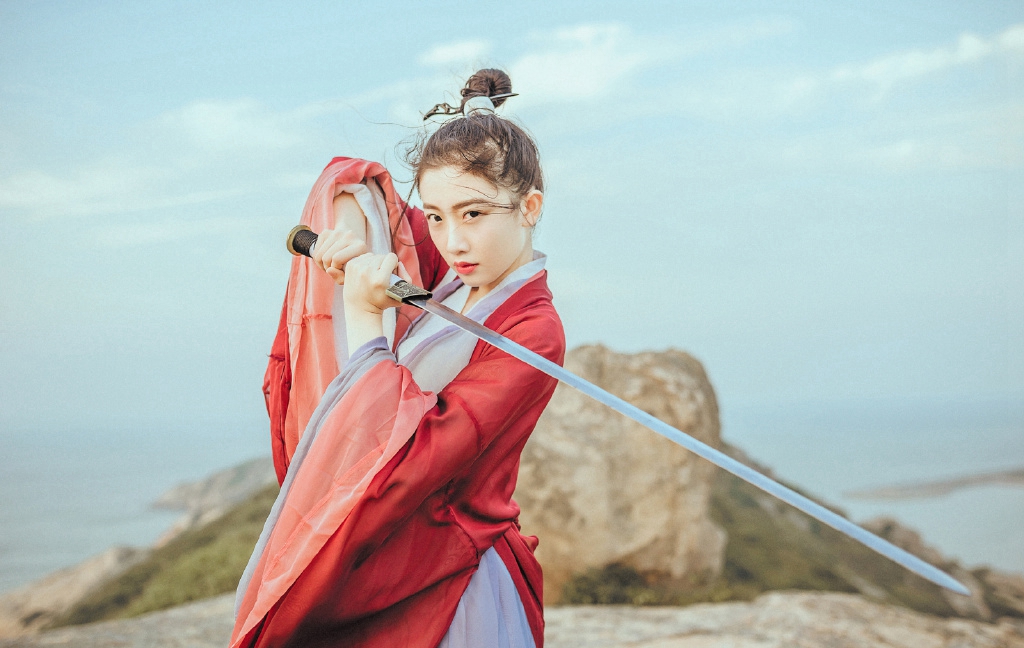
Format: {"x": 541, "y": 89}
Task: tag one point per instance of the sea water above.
{"x": 68, "y": 495}
{"x": 833, "y": 451}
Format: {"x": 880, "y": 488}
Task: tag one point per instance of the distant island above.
{"x": 941, "y": 487}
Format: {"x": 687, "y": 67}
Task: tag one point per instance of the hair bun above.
{"x": 487, "y": 83}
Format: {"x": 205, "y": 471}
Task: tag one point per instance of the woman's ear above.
{"x": 532, "y": 203}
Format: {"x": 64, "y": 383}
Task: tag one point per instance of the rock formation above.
{"x": 989, "y": 589}
{"x": 29, "y": 608}
{"x": 598, "y": 488}
{"x": 206, "y": 500}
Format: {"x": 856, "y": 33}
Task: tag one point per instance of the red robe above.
{"x": 391, "y": 573}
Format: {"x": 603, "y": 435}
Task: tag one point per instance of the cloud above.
{"x": 174, "y": 160}
{"x": 754, "y": 93}
{"x": 202, "y": 152}
{"x": 165, "y": 231}
{"x": 734, "y": 37}
{"x": 233, "y": 126}
{"x": 212, "y": 149}
{"x": 888, "y": 71}
{"x": 455, "y": 53}
{"x": 579, "y": 63}
{"x": 109, "y": 188}
{"x": 592, "y": 61}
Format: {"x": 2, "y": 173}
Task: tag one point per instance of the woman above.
{"x": 395, "y": 525}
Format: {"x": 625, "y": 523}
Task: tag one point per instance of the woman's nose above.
{"x": 456, "y": 240}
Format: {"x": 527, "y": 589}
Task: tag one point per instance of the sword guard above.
{"x": 404, "y": 291}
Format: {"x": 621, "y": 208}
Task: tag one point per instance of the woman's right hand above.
{"x": 334, "y": 248}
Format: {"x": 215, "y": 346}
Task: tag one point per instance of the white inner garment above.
{"x": 490, "y": 613}
{"x": 436, "y": 350}
{"x": 378, "y": 239}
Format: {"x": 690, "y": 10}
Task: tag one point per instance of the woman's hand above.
{"x": 367, "y": 277}
{"x": 334, "y": 249}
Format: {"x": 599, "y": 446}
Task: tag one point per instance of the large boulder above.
{"x": 598, "y": 488}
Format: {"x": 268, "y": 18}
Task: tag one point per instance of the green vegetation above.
{"x": 199, "y": 563}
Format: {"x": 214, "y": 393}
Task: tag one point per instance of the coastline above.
{"x": 938, "y": 488}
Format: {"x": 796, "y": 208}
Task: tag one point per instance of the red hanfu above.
{"x": 403, "y": 490}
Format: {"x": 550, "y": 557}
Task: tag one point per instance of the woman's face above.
{"x": 476, "y": 227}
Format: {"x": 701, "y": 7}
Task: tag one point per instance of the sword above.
{"x": 300, "y": 242}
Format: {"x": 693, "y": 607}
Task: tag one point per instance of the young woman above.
{"x": 397, "y": 436}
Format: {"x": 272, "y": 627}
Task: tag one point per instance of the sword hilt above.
{"x": 301, "y": 240}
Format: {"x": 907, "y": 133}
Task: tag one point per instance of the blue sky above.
{"x": 821, "y": 201}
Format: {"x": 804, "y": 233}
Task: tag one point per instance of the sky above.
{"x": 821, "y": 201}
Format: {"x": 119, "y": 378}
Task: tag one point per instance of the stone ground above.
{"x": 774, "y": 620}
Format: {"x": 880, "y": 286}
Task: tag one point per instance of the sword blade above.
{"x": 720, "y": 459}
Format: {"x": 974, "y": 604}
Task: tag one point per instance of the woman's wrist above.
{"x": 361, "y": 326}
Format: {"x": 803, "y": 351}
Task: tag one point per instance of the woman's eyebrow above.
{"x": 460, "y": 205}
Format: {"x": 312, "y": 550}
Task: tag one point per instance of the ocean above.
{"x": 68, "y": 495}
{"x": 834, "y": 450}
{"x": 65, "y": 496}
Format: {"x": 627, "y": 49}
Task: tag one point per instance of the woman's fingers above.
{"x": 334, "y": 248}
{"x": 318, "y": 248}
{"x": 341, "y": 251}
{"x": 388, "y": 264}
{"x": 367, "y": 277}
{"x": 403, "y": 273}
{"x": 338, "y": 276}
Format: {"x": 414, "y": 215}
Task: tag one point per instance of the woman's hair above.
{"x": 481, "y": 143}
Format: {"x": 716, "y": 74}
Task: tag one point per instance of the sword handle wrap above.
{"x": 300, "y": 240}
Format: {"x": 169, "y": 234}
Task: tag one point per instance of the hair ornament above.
{"x": 476, "y": 103}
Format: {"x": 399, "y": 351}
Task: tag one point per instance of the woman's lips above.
{"x": 464, "y": 268}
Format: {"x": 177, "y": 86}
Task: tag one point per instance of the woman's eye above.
{"x": 472, "y": 214}
{"x": 433, "y": 218}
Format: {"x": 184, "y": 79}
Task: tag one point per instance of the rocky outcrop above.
{"x": 776, "y": 620}
{"x": 29, "y": 608}
{"x": 598, "y": 488}
{"x": 993, "y": 594}
{"x": 206, "y": 500}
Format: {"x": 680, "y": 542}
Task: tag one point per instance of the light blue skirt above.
{"x": 490, "y": 612}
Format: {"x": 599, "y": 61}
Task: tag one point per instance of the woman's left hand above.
{"x": 366, "y": 278}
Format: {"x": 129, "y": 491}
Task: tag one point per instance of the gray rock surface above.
{"x": 775, "y": 620}
{"x": 197, "y": 625}
{"x": 598, "y": 488}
